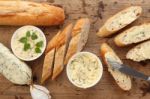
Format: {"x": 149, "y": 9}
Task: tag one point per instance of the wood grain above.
{"x": 98, "y": 11}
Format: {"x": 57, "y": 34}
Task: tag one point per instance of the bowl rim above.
{"x": 29, "y": 59}
{"x": 100, "y": 65}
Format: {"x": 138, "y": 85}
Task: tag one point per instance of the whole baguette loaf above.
{"x": 140, "y": 52}
{"x": 135, "y": 34}
{"x": 123, "y": 80}
{"x": 120, "y": 20}
{"x": 59, "y": 38}
{"x": 29, "y": 13}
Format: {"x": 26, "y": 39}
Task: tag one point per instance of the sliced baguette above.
{"x": 123, "y": 80}
{"x": 76, "y": 44}
{"x": 59, "y": 39}
{"x": 48, "y": 65}
{"x": 135, "y": 34}
{"x": 50, "y": 56}
{"x": 120, "y": 20}
{"x": 140, "y": 52}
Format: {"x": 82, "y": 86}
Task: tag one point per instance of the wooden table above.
{"x": 98, "y": 11}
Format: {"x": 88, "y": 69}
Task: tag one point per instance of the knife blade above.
{"x": 128, "y": 70}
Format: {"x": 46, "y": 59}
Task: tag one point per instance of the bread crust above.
{"x": 118, "y": 42}
{"x": 30, "y": 13}
{"x": 118, "y": 76}
{"x": 104, "y": 30}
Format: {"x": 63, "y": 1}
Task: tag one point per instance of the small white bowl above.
{"x": 19, "y": 31}
{"x": 99, "y": 64}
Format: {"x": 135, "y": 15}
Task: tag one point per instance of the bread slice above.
{"x": 123, "y": 80}
{"x": 59, "y": 61}
{"x": 140, "y": 52}
{"x": 48, "y": 65}
{"x": 76, "y": 44}
{"x": 59, "y": 38}
{"x": 135, "y": 34}
{"x": 120, "y": 20}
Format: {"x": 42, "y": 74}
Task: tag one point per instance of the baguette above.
{"x": 140, "y": 52}
{"x": 49, "y": 61}
{"x": 59, "y": 38}
{"x": 27, "y": 12}
{"x": 48, "y": 65}
{"x": 135, "y": 34}
{"x": 76, "y": 44}
{"x": 123, "y": 80}
{"x": 120, "y": 20}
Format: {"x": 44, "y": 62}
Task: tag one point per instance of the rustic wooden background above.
{"x": 98, "y": 11}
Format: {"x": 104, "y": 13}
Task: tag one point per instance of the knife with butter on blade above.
{"x": 127, "y": 70}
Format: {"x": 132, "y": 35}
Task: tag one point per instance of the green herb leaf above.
{"x": 39, "y": 44}
{"x": 34, "y": 36}
{"x": 26, "y": 46}
{"x": 23, "y": 40}
{"x": 28, "y": 34}
{"x": 37, "y": 50}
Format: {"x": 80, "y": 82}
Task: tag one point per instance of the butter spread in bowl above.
{"x": 84, "y": 70}
{"x": 28, "y": 43}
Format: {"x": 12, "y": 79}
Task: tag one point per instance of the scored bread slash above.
{"x": 59, "y": 38}
{"x": 48, "y": 65}
{"x": 119, "y": 21}
{"x": 123, "y": 80}
{"x": 140, "y": 52}
{"x": 134, "y": 34}
{"x": 61, "y": 51}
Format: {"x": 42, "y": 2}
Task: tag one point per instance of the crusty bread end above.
{"x": 120, "y": 20}
{"x": 123, "y": 80}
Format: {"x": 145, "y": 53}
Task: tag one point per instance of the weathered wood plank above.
{"x": 98, "y": 11}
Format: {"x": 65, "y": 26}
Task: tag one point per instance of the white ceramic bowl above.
{"x": 19, "y": 31}
{"x": 98, "y": 77}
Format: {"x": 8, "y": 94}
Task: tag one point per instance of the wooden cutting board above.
{"x": 98, "y": 11}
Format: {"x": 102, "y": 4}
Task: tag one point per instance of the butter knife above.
{"x": 128, "y": 70}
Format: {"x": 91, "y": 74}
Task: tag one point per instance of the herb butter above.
{"x": 28, "y": 43}
{"x": 84, "y": 69}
